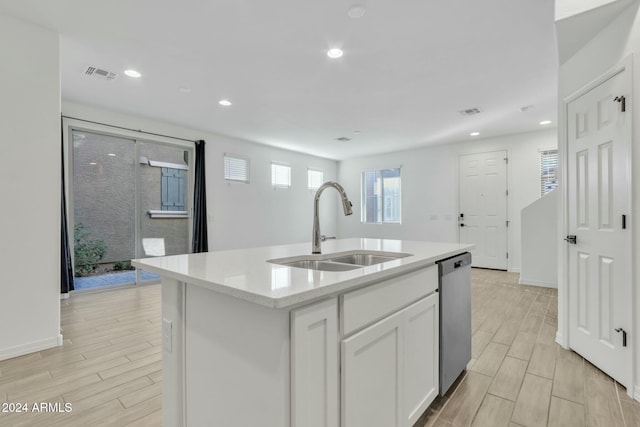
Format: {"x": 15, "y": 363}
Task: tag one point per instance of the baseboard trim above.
{"x": 514, "y": 270}
{"x": 537, "y": 283}
{"x": 636, "y": 393}
{"x": 32, "y": 347}
{"x": 560, "y": 341}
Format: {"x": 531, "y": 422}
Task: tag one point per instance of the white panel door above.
{"x": 314, "y": 365}
{"x": 421, "y": 335}
{"x": 598, "y": 172}
{"x": 483, "y": 207}
{"x": 372, "y": 375}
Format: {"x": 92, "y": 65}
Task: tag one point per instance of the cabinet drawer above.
{"x": 364, "y": 306}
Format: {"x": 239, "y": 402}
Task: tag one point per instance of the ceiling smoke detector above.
{"x": 469, "y": 111}
{"x": 343, "y": 139}
{"x": 100, "y": 73}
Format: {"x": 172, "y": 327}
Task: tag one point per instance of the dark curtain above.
{"x": 200, "y": 238}
{"x": 66, "y": 266}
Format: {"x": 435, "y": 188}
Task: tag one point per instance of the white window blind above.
{"x": 315, "y": 178}
{"x": 236, "y": 169}
{"x": 280, "y": 175}
{"x": 548, "y": 171}
{"x": 381, "y": 196}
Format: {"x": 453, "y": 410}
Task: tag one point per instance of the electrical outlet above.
{"x": 167, "y": 342}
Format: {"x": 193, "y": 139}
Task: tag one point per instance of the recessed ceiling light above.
{"x": 335, "y": 53}
{"x": 111, "y": 155}
{"x": 474, "y": 134}
{"x": 356, "y": 12}
{"x": 93, "y": 163}
{"x": 224, "y": 102}
{"x": 132, "y": 73}
{"x": 545, "y": 122}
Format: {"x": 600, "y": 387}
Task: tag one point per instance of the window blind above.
{"x": 315, "y": 178}
{"x": 236, "y": 169}
{"x": 548, "y": 171}
{"x": 280, "y": 175}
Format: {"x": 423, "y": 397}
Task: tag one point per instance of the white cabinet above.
{"x": 372, "y": 375}
{"x": 390, "y": 369}
{"x": 421, "y": 353}
{"x": 314, "y": 365}
{"x": 368, "y": 357}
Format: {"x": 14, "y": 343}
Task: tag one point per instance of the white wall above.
{"x": 539, "y": 233}
{"x": 615, "y": 42}
{"x": 430, "y": 188}
{"x": 567, "y": 8}
{"x": 30, "y": 190}
{"x": 243, "y": 215}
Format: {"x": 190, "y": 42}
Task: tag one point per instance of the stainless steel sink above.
{"x": 321, "y": 265}
{"x": 363, "y": 259}
{"x": 342, "y": 261}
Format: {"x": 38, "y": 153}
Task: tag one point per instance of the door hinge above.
{"x": 507, "y": 255}
{"x": 506, "y": 192}
{"x": 507, "y": 221}
{"x": 623, "y": 102}
{"x": 506, "y": 159}
{"x": 624, "y": 336}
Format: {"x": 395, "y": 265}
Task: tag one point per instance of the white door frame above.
{"x": 562, "y": 334}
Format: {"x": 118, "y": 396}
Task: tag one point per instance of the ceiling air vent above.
{"x": 343, "y": 139}
{"x": 469, "y": 112}
{"x": 100, "y": 73}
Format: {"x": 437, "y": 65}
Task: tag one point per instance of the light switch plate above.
{"x": 167, "y": 342}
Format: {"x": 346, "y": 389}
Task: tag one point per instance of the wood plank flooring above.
{"x": 109, "y": 368}
{"x": 518, "y": 375}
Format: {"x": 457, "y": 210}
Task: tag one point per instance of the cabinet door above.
{"x": 372, "y": 375}
{"x": 420, "y": 357}
{"x": 314, "y": 365}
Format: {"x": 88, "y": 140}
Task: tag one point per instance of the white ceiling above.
{"x": 408, "y": 67}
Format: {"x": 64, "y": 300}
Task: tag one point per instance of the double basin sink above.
{"x": 342, "y": 261}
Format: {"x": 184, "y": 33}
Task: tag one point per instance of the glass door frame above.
{"x": 69, "y": 125}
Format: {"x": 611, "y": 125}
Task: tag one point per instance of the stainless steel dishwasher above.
{"x": 455, "y": 318}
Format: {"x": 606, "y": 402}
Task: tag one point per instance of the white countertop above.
{"x": 246, "y": 274}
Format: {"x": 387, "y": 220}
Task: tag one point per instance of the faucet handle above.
{"x": 323, "y": 238}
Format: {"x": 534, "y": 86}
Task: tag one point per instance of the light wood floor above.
{"x": 518, "y": 375}
{"x": 109, "y": 368}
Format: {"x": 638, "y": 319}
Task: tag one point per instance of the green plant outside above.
{"x": 87, "y": 250}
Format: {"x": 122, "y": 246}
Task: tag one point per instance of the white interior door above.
{"x": 598, "y": 152}
{"x": 483, "y": 207}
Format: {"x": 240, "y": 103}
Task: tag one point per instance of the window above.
{"x": 381, "y": 196}
{"x": 548, "y": 171}
{"x": 173, "y": 189}
{"x": 280, "y": 175}
{"x": 236, "y": 169}
{"x": 315, "y": 178}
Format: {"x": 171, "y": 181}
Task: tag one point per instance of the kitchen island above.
{"x": 251, "y": 339}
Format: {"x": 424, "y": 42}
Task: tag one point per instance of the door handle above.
{"x": 571, "y": 238}
{"x": 624, "y": 336}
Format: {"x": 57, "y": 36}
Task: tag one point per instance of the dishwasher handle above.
{"x": 454, "y": 263}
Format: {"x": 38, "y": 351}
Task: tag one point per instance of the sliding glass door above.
{"x": 130, "y": 199}
{"x": 163, "y": 200}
